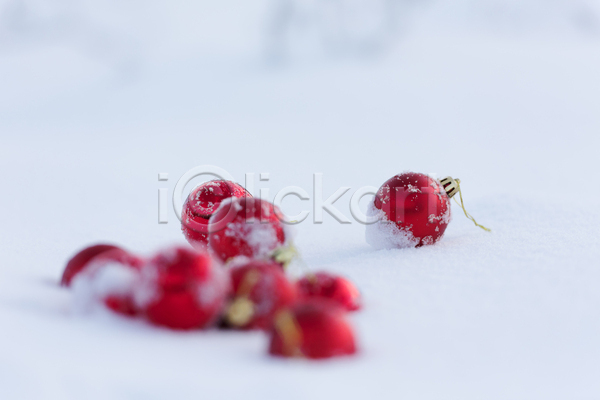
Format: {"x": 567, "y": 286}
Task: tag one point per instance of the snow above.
{"x": 261, "y": 237}
{"x": 96, "y": 283}
{"x": 93, "y": 106}
{"x": 213, "y": 289}
{"x": 385, "y": 234}
{"x": 146, "y": 290}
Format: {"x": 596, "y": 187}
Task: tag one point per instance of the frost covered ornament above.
{"x": 247, "y": 227}
{"x": 80, "y": 260}
{"x": 109, "y": 278}
{"x": 182, "y": 289}
{"x": 202, "y": 202}
{"x": 412, "y": 210}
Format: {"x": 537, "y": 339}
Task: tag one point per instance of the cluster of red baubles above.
{"x": 232, "y": 278}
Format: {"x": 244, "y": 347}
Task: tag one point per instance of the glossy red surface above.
{"x": 416, "y": 203}
{"x": 201, "y": 204}
{"x": 321, "y": 329}
{"x": 182, "y": 278}
{"x": 332, "y": 287}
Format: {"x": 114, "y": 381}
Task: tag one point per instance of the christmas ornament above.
{"x": 260, "y": 289}
{"x": 312, "y": 329}
{"x": 182, "y": 289}
{"x": 110, "y": 278}
{"x": 81, "y": 259}
{"x": 332, "y": 287}
{"x": 412, "y": 210}
{"x": 201, "y": 204}
{"x": 246, "y": 226}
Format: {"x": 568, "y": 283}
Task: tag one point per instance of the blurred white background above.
{"x": 60, "y": 50}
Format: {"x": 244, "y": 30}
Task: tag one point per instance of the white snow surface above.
{"x": 95, "y": 101}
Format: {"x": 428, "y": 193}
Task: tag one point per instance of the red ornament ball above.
{"x": 312, "y": 329}
{"x": 332, "y": 287}
{"x": 182, "y": 289}
{"x": 110, "y": 277}
{"x": 81, "y": 259}
{"x": 245, "y": 226}
{"x": 201, "y": 204}
{"x": 413, "y": 210}
{"x": 259, "y": 290}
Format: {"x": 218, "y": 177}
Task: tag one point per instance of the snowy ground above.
{"x": 514, "y": 113}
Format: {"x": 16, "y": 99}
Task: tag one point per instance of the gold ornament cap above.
{"x": 240, "y": 312}
{"x": 451, "y": 186}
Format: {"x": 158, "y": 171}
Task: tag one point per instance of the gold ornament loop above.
{"x": 290, "y": 332}
{"x": 452, "y": 186}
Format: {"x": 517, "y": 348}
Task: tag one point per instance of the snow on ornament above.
{"x": 79, "y": 261}
{"x": 109, "y": 278}
{"x": 182, "y": 289}
{"x": 202, "y": 202}
{"x": 412, "y": 210}
{"x": 248, "y": 227}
